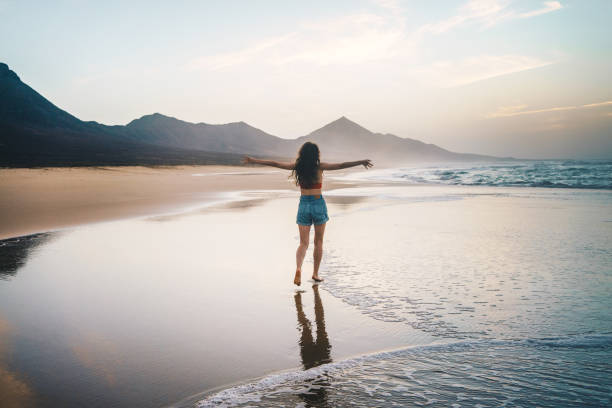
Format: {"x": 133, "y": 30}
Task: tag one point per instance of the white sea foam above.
{"x": 286, "y": 382}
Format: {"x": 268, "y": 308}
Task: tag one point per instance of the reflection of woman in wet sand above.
{"x": 308, "y": 173}
{"x": 314, "y": 352}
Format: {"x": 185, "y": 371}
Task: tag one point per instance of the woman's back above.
{"x": 316, "y": 185}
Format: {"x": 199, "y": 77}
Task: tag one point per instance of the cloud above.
{"x": 355, "y": 38}
{"x": 372, "y": 36}
{"x": 392, "y": 6}
{"x": 15, "y": 391}
{"x": 549, "y": 6}
{"x": 485, "y": 13}
{"x": 225, "y": 60}
{"x": 381, "y": 35}
{"x": 448, "y": 74}
{"x": 99, "y": 354}
{"x": 509, "y": 111}
{"x": 595, "y": 105}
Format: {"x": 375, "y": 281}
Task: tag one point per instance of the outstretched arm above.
{"x": 338, "y": 166}
{"x": 280, "y": 165}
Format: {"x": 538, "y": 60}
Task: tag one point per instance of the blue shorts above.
{"x": 312, "y": 210}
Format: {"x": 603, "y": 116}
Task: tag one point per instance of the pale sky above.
{"x": 521, "y": 78}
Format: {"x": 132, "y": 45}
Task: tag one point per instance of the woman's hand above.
{"x": 367, "y": 163}
{"x": 247, "y": 160}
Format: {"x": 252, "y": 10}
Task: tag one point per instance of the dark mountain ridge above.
{"x": 237, "y": 137}
{"x": 344, "y": 138}
{"x": 35, "y": 132}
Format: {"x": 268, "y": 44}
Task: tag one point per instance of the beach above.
{"x": 434, "y": 294}
{"x": 43, "y": 199}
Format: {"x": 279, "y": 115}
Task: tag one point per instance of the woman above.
{"x": 308, "y": 174}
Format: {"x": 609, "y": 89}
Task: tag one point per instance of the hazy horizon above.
{"x": 504, "y": 78}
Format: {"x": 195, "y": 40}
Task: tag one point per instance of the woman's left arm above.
{"x": 280, "y": 165}
{"x": 345, "y": 165}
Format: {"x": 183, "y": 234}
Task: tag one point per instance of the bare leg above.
{"x": 301, "y": 252}
{"x": 318, "y": 250}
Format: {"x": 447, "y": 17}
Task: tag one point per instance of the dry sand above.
{"x": 37, "y": 200}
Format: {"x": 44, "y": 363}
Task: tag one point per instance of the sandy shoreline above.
{"x": 44, "y": 199}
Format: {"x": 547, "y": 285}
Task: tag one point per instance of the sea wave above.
{"x": 548, "y": 174}
{"x": 272, "y": 390}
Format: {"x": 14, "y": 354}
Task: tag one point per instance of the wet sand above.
{"x": 150, "y": 311}
{"x": 37, "y": 200}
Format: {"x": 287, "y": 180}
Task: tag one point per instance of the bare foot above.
{"x": 298, "y": 277}
{"x": 316, "y": 278}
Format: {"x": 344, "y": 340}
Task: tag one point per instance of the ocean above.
{"x": 548, "y": 173}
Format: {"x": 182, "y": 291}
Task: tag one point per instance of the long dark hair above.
{"x": 306, "y": 171}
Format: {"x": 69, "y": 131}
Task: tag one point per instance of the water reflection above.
{"x": 14, "y": 252}
{"x": 14, "y": 391}
{"x": 313, "y": 352}
{"x": 344, "y": 201}
{"x": 233, "y": 205}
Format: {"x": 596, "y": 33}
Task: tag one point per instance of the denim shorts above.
{"x": 312, "y": 210}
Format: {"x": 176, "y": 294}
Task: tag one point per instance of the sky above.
{"x": 513, "y": 78}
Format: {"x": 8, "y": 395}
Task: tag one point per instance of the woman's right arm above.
{"x": 280, "y": 165}
{"x": 367, "y": 163}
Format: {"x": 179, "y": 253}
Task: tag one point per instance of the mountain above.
{"x": 343, "y": 139}
{"x": 237, "y": 137}
{"x": 35, "y": 132}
